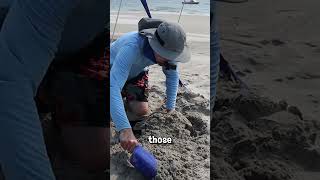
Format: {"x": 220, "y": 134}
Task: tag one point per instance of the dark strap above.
{"x": 148, "y": 52}
{"x": 170, "y": 66}
{"x": 159, "y": 39}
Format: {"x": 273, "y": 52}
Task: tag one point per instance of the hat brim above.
{"x": 182, "y": 57}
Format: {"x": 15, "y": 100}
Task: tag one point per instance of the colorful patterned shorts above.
{"x": 136, "y": 89}
{"x": 75, "y": 90}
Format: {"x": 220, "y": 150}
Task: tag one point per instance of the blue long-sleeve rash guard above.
{"x": 127, "y": 60}
{"x": 32, "y": 33}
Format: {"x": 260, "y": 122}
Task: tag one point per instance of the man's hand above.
{"x": 127, "y": 140}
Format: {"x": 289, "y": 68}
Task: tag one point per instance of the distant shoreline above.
{"x": 184, "y": 13}
{"x": 197, "y": 26}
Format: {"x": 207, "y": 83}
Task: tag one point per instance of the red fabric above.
{"x": 97, "y": 68}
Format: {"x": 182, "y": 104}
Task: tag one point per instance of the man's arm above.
{"x": 31, "y": 33}
{"x": 28, "y": 41}
{"x": 172, "y": 85}
{"x": 118, "y": 77}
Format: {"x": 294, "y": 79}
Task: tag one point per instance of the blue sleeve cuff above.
{"x": 172, "y": 85}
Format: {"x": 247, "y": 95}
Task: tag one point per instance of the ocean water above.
{"x": 162, "y": 6}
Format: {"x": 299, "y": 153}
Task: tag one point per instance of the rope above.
{"x": 115, "y": 25}
{"x": 181, "y": 11}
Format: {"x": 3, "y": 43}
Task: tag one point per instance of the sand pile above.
{"x": 188, "y": 156}
{"x": 253, "y": 137}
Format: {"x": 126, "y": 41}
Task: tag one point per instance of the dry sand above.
{"x": 271, "y": 131}
{"x": 275, "y": 46}
{"x": 188, "y": 156}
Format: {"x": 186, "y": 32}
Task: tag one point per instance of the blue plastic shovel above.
{"x": 144, "y": 162}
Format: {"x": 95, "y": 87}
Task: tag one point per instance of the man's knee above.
{"x": 140, "y": 108}
{"x": 79, "y": 142}
{"x": 95, "y": 163}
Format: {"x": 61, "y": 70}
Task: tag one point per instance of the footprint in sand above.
{"x": 277, "y": 42}
{"x": 309, "y": 76}
{"x": 247, "y": 71}
{"x": 240, "y": 73}
{"x": 290, "y": 77}
{"x": 313, "y": 99}
{"x": 264, "y": 42}
{"x": 252, "y": 61}
{"x": 274, "y": 42}
{"x": 310, "y": 44}
{"x": 278, "y": 80}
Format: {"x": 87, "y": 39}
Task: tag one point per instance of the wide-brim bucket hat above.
{"x": 169, "y": 41}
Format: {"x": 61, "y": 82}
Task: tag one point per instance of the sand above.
{"x": 253, "y": 137}
{"x": 275, "y": 47}
{"x": 188, "y": 157}
{"x": 272, "y": 130}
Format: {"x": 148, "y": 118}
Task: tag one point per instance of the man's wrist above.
{"x": 170, "y": 110}
{"x": 125, "y": 126}
{"x": 125, "y": 130}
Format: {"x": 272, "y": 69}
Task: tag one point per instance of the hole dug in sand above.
{"x": 197, "y": 127}
{"x": 255, "y": 138}
{"x": 188, "y": 155}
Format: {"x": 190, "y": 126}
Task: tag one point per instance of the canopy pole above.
{"x": 146, "y": 8}
{"x": 181, "y": 10}
{"x": 115, "y": 25}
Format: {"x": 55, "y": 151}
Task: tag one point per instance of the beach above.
{"x": 188, "y": 156}
{"x": 272, "y": 129}
{"x": 278, "y": 42}
{"x": 196, "y": 72}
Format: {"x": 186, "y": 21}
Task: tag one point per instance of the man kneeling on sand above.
{"x": 130, "y": 56}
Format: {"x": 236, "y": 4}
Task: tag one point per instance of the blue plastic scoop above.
{"x": 144, "y": 162}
